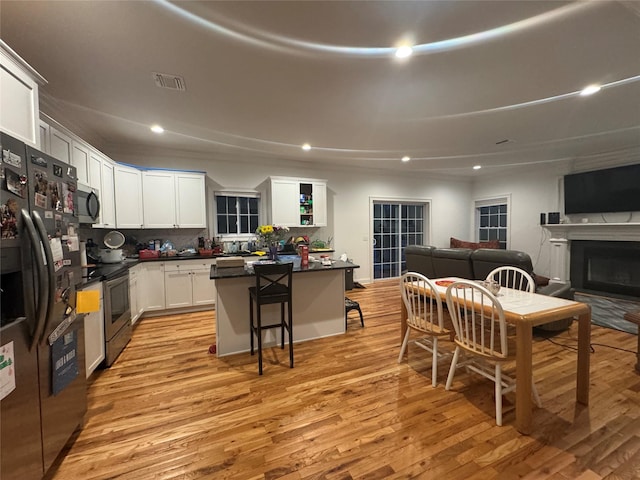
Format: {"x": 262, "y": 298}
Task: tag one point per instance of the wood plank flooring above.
{"x": 167, "y": 409}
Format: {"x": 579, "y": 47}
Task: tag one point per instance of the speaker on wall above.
{"x": 554, "y": 217}
{"x": 543, "y": 218}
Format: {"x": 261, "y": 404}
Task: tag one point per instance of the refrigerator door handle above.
{"x": 48, "y": 254}
{"x": 43, "y": 290}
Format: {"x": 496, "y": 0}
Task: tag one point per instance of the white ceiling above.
{"x": 264, "y": 77}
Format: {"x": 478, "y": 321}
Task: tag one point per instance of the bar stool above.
{"x": 351, "y": 305}
{"x": 273, "y": 285}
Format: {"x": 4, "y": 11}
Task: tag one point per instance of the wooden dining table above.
{"x": 526, "y": 310}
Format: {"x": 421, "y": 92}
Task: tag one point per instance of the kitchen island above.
{"x": 318, "y": 305}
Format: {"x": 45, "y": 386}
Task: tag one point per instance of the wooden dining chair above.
{"x": 513, "y": 277}
{"x": 481, "y": 337}
{"x": 424, "y": 315}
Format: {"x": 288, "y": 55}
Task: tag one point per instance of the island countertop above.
{"x": 247, "y": 270}
{"x": 318, "y": 305}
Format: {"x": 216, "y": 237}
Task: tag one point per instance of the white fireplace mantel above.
{"x": 563, "y": 233}
{"x": 629, "y": 232}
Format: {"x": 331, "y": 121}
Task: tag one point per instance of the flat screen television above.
{"x": 602, "y": 191}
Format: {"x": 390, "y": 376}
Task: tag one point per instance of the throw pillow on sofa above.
{"x": 455, "y": 243}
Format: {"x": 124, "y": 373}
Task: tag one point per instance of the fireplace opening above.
{"x": 611, "y": 267}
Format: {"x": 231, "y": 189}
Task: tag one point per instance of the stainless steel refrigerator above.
{"x": 43, "y": 393}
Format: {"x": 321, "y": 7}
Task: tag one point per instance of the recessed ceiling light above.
{"x": 404, "y": 51}
{"x": 306, "y": 147}
{"x": 477, "y": 167}
{"x": 406, "y": 158}
{"x": 590, "y": 90}
{"x": 157, "y": 129}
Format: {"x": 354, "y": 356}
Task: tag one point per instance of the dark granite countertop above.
{"x": 107, "y": 271}
{"x": 247, "y": 271}
{"x": 218, "y": 255}
{"x": 195, "y": 257}
{"x": 104, "y": 271}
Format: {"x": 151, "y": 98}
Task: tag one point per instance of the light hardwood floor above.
{"x": 167, "y": 409}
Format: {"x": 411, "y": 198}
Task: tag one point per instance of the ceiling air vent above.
{"x": 172, "y": 82}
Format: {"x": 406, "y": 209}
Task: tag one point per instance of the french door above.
{"x": 395, "y": 225}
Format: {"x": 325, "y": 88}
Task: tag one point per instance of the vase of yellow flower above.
{"x": 271, "y": 236}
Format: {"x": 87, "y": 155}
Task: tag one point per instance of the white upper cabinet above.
{"x": 319, "y": 195}
{"x": 19, "y": 96}
{"x": 191, "y": 209}
{"x": 173, "y": 199}
{"x": 101, "y": 179}
{"x": 44, "y": 137}
{"x": 107, "y": 195}
{"x": 159, "y": 202}
{"x": 60, "y": 145}
{"x": 128, "y": 196}
{"x": 298, "y": 202}
{"x": 95, "y": 170}
{"x": 80, "y": 160}
{"x": 285, "y": 210}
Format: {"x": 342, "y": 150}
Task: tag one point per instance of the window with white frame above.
{"x": 236, "y": 213}
{"x": 492, "y": 220}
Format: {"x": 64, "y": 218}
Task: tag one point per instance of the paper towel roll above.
{"x": 83, "y": 254}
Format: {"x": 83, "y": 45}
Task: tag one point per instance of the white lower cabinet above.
{"x": 152, "y": 287}
{"x": 94, "y": 334}
{"x": 187, "y": 283}
{"x": 136, "y": 300}
{"x": 204, "y": 289}
{"x": 161, "y": 285}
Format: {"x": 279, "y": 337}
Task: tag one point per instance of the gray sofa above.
{"x": 435, "y": 262}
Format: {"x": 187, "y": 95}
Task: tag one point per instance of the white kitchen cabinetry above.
{"x": 94, "y": 334}
{"x": 187, "y": 284}
{"x": 319, "y": 190}
{"x": 136, "y": 300}
{"x": 19, "y": 95}
{"x": 152, "y": 287}
{"x": 158, "y": 198}
{"x": 44, "y": 137}
{"x": 80, "y": 160}
{"x": 95, "y": 180}
{"x": 95, "y": 170}
{"x": 284, "y": 203}
{"x": 128, "y": 197}
{"x": 191, "y": 211}
{"x": 60, "y": 145}
{"x": 107, "y": 195}
{"x": 298, "y": 202}
{"x": 173, "y": 199}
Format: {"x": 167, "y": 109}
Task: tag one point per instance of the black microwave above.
{"x": 88, "y": 204}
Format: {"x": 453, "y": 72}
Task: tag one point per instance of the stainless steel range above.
{"x": 117, "y": 316}
{"x": 117, "y": 310}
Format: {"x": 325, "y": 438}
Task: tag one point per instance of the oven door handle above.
{"x": 118, "y": 280}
